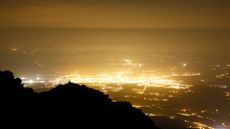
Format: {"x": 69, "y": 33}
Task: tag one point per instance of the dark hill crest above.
{"x": 65, "y": 106}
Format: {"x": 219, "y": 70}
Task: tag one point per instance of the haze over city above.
{"x": 168, "y": 58}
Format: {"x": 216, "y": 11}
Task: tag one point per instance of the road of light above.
{"x": 202, "y": 126}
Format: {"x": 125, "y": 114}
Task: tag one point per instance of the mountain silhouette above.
{"x": 65, "y": 106}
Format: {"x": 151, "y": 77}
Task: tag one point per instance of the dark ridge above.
{"x": 65, "y": 106}
{"x": 167, "y": 123}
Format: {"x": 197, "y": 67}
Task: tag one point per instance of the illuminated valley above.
{"x": 178, "y": 93}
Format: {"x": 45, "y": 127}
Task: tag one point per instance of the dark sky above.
{"x": 115, "y": 13}
{"x": 133, "y": 26}
{"x": 172, "y": 24}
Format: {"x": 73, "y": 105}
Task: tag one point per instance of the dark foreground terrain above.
{"x": 65, "y": 106}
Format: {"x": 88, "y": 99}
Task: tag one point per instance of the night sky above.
{"x": 128, "y": 14}
{"x": 133, "y": 26}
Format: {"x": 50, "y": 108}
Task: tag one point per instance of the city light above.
{"x": 124, "y": 78}
{"x": 30, "y": 81}
{"x": 202, "y": 126}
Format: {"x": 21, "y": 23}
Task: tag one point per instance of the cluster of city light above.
{"x": 123, "y": 78}
{"x": 227, "y": 94}
{"x": 198, "y": 125}
{"x": 29, "y": 81}
{"x": 202, "y": 126}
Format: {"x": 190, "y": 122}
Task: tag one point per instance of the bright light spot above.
{"x": 151, "y": 114}
{"x": 30, "y": 81}
{"x": 184, "y": 114}
{"x": 128, "y": 62}
{"x": 137, "y": 106}
{"x": 23, "y": 78}
{"x": 38, "y": 78}
{"x": 183, "y": 110}
{"x": 203, "y": 111}
{"x": 227, "y": 94}
{"x": 172, "y": 117}
{"x": 184, "y": 64}
{"x": 202, "y": 80}
{"x": 14, "y": 49}
{"x": 223, "y": 124}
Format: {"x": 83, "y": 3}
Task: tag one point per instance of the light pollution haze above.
{"x": 169, "y": 58}
{"x": 115, "y": 25}
{"x": 149, "y": 14}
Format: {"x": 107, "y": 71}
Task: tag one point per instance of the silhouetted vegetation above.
{"x": 65, "y": 106}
